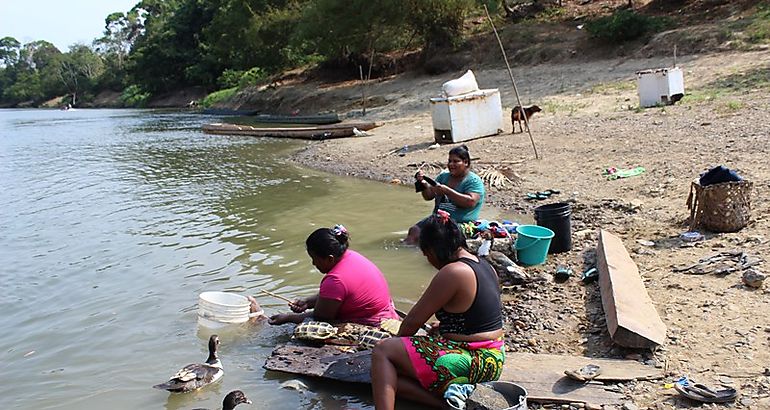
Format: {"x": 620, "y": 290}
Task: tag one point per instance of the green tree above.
{"x": 120, "y": 32}
{"x": 9, "y": 51}
{"x": 169, "y": 52}
{"x": 337, "y": 29}
{"x": 438, "y": 22}
{"x": 78, "y": 70}
{"x": 38, "y": 54}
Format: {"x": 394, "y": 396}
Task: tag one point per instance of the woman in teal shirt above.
{"x": 458, "y": 191}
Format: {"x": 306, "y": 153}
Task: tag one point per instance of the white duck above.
{"x": 194, "y": 376}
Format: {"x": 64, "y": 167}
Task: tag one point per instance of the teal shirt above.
{"x": 471, "y": 183}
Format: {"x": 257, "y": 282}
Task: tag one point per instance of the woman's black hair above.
{"x": 441, "y": 235}
{"x": 462, "y": 153}
{"x": 325, "y": 241}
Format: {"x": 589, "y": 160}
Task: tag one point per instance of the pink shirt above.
{"x": 360, "y": 286}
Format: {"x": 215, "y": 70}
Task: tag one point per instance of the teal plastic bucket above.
{"x": 532, "y": 243}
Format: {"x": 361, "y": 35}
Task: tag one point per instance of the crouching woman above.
{"x": 465, "y": 346}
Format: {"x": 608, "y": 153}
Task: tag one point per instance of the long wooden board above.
{"x": 318, "y": 133}
{"x": 541, "y": 374}
{"x": 543, "y": 377}
{"x": 632, "y": 320}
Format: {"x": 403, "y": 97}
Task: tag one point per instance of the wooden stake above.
{"x": 510, "y": 74}
{"x": 674, "y": 55}
{"x": 363, "y": 89}
{"x": 283, "y": 298}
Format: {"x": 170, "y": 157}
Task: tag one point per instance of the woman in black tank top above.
{"x": 466, "y": 344}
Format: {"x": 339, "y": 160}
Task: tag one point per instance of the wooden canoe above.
{"x": 310, "y": 133}
{"x": 319, "y": 119}
{"x": 227, "y": 111}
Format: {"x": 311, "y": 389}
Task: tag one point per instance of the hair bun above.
{"x": 339, "y": 230}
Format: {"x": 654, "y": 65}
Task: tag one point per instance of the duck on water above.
{"x": 233, "y": 399}
{"x": 196, "y": 375}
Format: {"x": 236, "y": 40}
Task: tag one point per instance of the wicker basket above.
{"x": 722, "y": 207}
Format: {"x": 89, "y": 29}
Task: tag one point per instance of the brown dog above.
{"x": 517, "y": 115}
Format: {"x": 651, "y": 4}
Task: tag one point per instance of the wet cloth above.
{"x": 471, "y": 183}
{"x": 457, "y": 394}
{"x": 360, "y": 286}
{"x": 439, "y": 362}
{"x": 615, "y": 173}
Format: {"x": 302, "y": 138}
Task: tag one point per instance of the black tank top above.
{"x": 485, "y": 313}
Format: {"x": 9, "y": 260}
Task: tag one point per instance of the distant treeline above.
{"x": 165, "y": 45}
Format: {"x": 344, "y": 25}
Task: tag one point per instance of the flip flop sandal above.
{"x": 590, "y": 275}
{"x": 704, "y": 394}
{"x": 536, "y": 195}
{"x": 552, "y": 191}
{"x": 585, "y": 373}
{"x": 562, "y": 273}
{"x": 545, "y": 193}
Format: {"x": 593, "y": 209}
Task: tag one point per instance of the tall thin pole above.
{"x": 363, "y": 90}
{"x": 510, "y": 74}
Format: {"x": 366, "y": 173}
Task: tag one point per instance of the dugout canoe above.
{"x": 311, "y": 133}
{"x": 318, "y": 119}
{"x": 226, "y": 111}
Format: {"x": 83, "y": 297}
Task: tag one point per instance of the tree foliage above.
{"x": 165, "y": 45}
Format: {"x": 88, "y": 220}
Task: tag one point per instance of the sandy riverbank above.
{"x": 717, "y": 328}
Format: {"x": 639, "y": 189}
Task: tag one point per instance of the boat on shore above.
{"x": 255, "y": 117}
{"x": 341, "y": 130}
{"x": 317, "y": 119}
{"x": 227, "y": 111}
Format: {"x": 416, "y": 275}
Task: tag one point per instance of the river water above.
{"x": 113, "y": 221}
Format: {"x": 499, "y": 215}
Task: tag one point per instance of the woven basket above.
{"x": 722, "y": 207}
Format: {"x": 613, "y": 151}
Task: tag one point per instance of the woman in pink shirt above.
{"x": 352, "y": 290}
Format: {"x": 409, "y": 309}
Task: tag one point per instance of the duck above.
{"x": 233, "y": 399}
{"x": 194, "y": 376}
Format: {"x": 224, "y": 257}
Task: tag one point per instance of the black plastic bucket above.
{"x": 556, "y": 217}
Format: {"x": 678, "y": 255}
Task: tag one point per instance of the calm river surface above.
{"x": 113, "y": 221}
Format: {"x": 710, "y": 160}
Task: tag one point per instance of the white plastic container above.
{"x": 216, "y": 309}
{"x": 468, "y": 116}
{"x": 660, "y": 86}
{"x": 459, "y": 86}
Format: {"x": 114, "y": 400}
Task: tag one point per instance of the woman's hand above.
{"x": 434, "y": 325}
{"x": 441, "y": 189}
{"x": 282, "y": 318}
{"x": 299, "y": 305}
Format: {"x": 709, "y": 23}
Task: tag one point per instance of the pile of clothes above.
{"x": 473, "y": 230}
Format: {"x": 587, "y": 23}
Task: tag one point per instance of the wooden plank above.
{"x": 552, "y": 367}
{"x": 542, "y": 375}
{"x": 631, "y": 316}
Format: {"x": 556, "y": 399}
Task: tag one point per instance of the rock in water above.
{"x": 294, "y": 384}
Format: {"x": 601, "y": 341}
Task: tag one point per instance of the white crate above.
{"x": 468, "y": 116}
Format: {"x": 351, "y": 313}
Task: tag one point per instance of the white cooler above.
{"x": 467, "y": 116}
{"x": 659, "y": 86}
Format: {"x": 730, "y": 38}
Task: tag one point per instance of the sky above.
{"x": 61, "y": 22}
